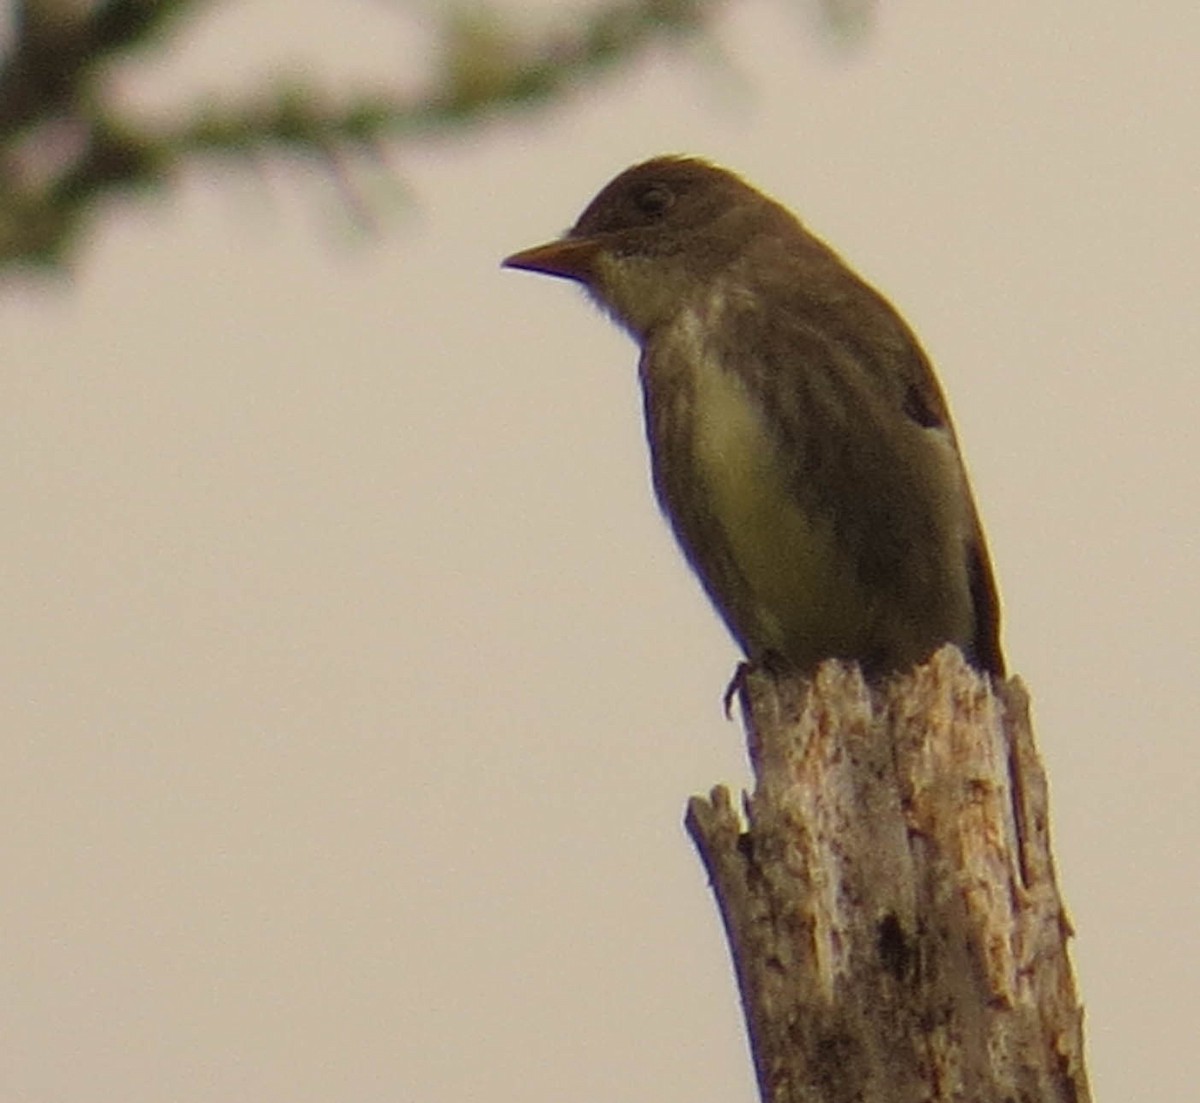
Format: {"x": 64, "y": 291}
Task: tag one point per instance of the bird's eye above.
{"x": 654, "y": 200}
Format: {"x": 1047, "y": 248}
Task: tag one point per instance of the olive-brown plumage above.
{"x": 800, "y": 445}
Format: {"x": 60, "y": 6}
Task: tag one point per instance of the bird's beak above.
{"x": 572, "y": 258}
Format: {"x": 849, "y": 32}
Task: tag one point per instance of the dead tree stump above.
{"x": 890, "y": 898}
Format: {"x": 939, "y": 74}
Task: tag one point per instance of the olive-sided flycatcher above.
{"x": 800, "y": 444}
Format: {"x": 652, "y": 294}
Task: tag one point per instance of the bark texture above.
{"x": 890, "y": 897}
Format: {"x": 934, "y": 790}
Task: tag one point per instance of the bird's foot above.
{"x": 769, "y": 662}
{"x": 736, "y": 685}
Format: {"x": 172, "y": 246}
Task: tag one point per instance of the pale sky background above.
{"x": 352, "y": 688}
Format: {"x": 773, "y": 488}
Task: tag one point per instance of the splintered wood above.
{"x": 889, "y": 893}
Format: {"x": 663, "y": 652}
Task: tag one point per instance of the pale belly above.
{"x": 804, "y": 598}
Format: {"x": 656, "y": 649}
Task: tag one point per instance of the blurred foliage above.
{"x": 65, "y": 143}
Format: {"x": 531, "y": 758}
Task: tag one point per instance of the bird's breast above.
{"x": 728, "y": 484}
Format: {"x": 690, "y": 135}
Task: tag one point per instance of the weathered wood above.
{"x": 890, "y": 898}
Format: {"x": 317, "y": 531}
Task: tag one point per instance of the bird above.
{"x": 801, "y": 447}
